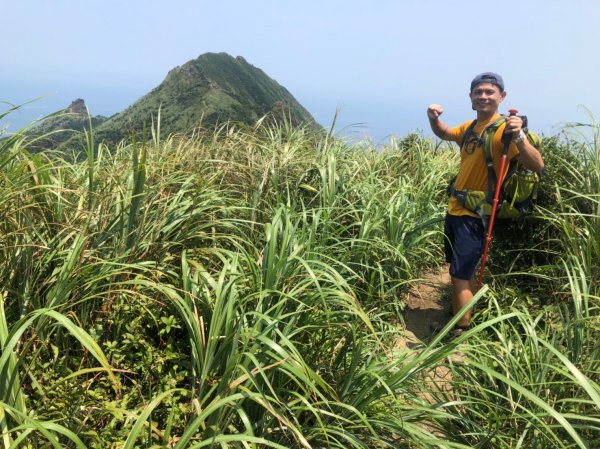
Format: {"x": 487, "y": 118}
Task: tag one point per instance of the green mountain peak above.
{"x": 211, "y": 89}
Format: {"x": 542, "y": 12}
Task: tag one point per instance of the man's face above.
{"x": 486, "y": 97}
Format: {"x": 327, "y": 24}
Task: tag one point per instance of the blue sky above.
{"x": 380, "y": 62}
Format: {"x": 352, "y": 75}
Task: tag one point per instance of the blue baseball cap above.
{"x": 488, "y": 77}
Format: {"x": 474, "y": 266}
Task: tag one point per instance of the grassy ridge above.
{"x": 244, "y": 288}
{"x": 209, "y": 90}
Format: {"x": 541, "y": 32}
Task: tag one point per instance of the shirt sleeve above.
{"x": 456, "y": 134}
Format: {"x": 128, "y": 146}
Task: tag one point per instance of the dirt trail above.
{"x": 427, "y": 303}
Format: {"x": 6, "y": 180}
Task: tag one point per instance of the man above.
{"x": 463, "y": 229}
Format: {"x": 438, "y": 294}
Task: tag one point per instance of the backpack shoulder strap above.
{"x": 488, "y": 142}
{"x": 467, "y": 132}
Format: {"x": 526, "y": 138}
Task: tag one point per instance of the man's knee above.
{"x": 460, "y": 285}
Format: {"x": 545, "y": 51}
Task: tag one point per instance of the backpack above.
{"x": 520, "y": 186}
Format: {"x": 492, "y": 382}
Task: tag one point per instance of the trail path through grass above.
{"x": 427, "y": 303}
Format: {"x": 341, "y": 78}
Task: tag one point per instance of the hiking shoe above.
{"x": 437, "y": 326}
{"x": 456, "y": 332}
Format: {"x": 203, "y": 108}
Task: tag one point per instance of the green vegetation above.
{"x": 244, "y": 288}
{"x": 203, "y": 93}
{"x": 214, "y": 88}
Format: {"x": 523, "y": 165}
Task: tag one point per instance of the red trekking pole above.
{"x": 506, "y": 139}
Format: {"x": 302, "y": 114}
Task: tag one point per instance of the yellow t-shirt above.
{"x": 473, "y": 173}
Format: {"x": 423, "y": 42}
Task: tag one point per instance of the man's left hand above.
{"x": 514, "y": 125}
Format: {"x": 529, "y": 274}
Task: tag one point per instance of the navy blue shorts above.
{"x": 463, "y": 244}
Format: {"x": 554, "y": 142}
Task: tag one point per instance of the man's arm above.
{"x": 528, "y": 155}
{"x": 438, "y": 127}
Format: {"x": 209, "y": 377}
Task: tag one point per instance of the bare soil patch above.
{"x": 428, "y": 303}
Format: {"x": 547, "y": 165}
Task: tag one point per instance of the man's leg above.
{"x": 461, "y": 295}
{"x": 464, "y": 237}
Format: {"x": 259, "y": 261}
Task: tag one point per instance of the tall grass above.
{"x": 243, "y": 288}
{"x": 536, "y": 371}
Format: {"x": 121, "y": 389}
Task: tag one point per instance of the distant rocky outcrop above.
{"x": 63, "y": 126}
{"x": 77, "y": 107}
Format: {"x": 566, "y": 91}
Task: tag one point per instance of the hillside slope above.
{"x": 211, "y": 89}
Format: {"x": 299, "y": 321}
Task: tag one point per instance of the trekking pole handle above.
{"x": 507, "y": 136}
